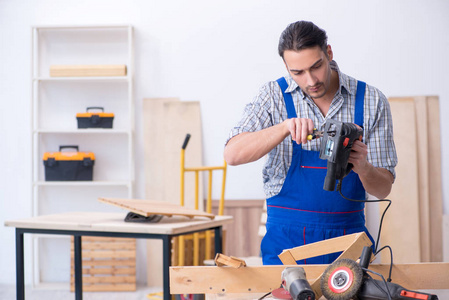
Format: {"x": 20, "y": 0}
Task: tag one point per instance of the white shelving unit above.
{"x": 55, "y": 102}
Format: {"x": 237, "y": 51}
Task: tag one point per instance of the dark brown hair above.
{"x": 302, "y": 35}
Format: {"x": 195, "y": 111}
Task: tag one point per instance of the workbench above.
{"x": 80, "y": 224}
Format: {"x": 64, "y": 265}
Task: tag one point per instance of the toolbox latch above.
{"x": 95, "y": 119}
{"x": 50, "y": 162}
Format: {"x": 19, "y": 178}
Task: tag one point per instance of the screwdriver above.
{"x": 315, "y": 134}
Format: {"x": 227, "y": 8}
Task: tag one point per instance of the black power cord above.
{"x": 391, "y": 260}
{"x": 386, "y": 290}
{"x": 372, "y": 201}
{"x": 267, "y": 294}
{"x": 380, "y": 225}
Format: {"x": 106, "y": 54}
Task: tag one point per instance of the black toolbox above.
{"x": 95, "y": 119}
{"x": 69, "y": 165}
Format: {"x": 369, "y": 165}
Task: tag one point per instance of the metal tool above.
{"x": 315, "y": 134}
{"x": 345, "y": 279}
{"x": 295, "y": 282}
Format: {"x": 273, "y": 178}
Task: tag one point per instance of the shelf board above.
{"x": 83, "y": 183}
{"x": 85, "y": 78}
{"x": 83, "y": 131}
{"x": 75, "y": 27}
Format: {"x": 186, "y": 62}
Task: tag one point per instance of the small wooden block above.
{"x": 87, "y": 70}
{"x": 223, "y": 260}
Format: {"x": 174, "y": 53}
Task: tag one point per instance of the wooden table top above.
{"x": 114, "y": 222}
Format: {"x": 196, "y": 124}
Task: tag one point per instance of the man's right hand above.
{"x": 299, "y": 129}
{"x": 250, "y": 146}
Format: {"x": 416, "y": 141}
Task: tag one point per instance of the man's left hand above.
{"x": 357, "y": 157}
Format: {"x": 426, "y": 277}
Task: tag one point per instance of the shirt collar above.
{"x": 343, "y": 78}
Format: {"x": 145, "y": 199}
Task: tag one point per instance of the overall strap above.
{"x": 291, "y": 112}
{"x": 359, "y": 103}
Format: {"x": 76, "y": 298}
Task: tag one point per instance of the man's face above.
{"x": 310, "y": 69}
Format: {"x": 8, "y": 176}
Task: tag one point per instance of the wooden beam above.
{"x": 401, "y": 226}
{"x": 263, "y": 279}
{"x": 325, "y": 247}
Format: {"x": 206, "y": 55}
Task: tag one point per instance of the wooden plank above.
{"x": 130, "y": 287}
{"x": 435, "y": 184}
{"x": 107, "y": 270}
{"x": 108, "y": 279}
{"x": 181, "y": 118}
{"x": 401, "y": 228}
{"x": 446, "y": 240}
{"x": 263, "y": 279}
{"x": 166, "y": 121}
{"x": 94, "y": 239}
{"x": 422, "y": 130}
{"x": 87, "y": 70}
{"x": 156, "y": 183}
{"x": 110, "y": 246}
{"x": 338, "y": 244}
{"x": 419, "y": 130}
{"x": 108, "y": 262}
{"x": 151, "y": 207}
{"x": 287, "y": 258}
{"x": 107, "y": 254}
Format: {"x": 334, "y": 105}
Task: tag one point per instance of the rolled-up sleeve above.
{"x": 256, "y": 115}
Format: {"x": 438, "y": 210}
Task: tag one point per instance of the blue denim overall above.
{"x": 304, "y": 213}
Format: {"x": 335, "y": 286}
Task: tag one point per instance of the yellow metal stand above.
{"x": 208, "y": 234}
{"x": 179, "y": 243}
{"x": 156, "y": 296}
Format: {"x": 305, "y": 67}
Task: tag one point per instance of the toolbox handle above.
{"x": 69, "y": 146}
{"x": 94, "y": 107}
{"x": 186, "y": 141}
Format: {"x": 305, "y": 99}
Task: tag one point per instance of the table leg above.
{"x": 20, "y": 270}
{"x": 166, "y": 248}
{"x": 78, "y": 267}
{"x": 218, "y": 239}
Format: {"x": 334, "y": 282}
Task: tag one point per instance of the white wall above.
{"x": 217, "y": 52}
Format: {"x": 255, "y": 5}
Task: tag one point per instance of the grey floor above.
{"x": 8, "y": 292}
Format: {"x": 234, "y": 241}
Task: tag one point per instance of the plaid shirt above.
{"x": 268, "y": 109}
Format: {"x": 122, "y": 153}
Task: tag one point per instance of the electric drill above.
{"x": 295, "y": 282}
{"x": 338, "y": 138}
